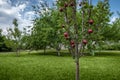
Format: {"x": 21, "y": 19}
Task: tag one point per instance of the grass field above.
{"x": 36, "y": 66}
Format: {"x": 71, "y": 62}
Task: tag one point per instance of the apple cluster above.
{"x": 71, "y": 4}
{"x": 66, "y": 35}
{"x": 89, "y": 30}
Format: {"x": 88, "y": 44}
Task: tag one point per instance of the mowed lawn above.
{"x": 36, "y": 66}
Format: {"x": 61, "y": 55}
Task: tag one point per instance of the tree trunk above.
{"x": 71, "y": 52}
{"x": 76, "y": 41}
{"x": 44, "y": 50}
{"x": 30, "y": 50}
{"x": 17, "y": 52}
{"x": 77, "y": 69}
{"x": 58, "y": 52}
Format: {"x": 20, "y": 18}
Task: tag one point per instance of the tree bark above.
{"x": 58, "y": 52}
{"x": 17, "y": 53}
{"x": 77, "y": 69}
{"x": 76, "y": 42}
{"x": 44, "y": 50}
{"x": 30, "y": 50}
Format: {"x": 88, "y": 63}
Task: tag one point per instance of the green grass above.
{"x": 36, "y": 66}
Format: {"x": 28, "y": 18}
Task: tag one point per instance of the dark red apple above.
{"x": 84, "y": 41}
{"x": 91, "y": 21}
{"x": 66, "y": 35}
{"x": 71, "y": 4}
{"x": 65, "y": 5}
{"x": 73, "y": 45}
{"x": 72, "y": 42}
{"x": 90, "y": 31}
{"x": 61, "y": 9}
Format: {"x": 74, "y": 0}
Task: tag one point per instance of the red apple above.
{"x": 66, "y": 35}
{"x": 73, "y": 45}
{"x": 65, "y": 5}
{"x": 72, "y": 42}
{"x": 61, "y": 9}
{"x": 71, "y": 4}
{"x": 90, "y": 31}
{"x": 91, "y": 21}
{"x": 84, "y": 41}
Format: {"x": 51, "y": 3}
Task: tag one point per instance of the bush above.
{"x": 115, "y": 46}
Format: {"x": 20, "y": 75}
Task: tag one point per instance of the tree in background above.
{"x": 27, "y": 39}
{"x": 13, "y": 38}
{"x": 111, "y": 35}
{"x": 46, "y": 28}
{"x": 3, "y": 46}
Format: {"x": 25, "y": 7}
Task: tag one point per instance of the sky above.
{"x": 23, "y": 11}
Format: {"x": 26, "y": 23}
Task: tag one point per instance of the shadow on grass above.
{"x": 63, "y": 53}
{"x": 107, "y": 53}
{"x": 36, "y": 53}
{"x": 51, "y": 53}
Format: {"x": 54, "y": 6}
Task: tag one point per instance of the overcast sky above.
{"x": 22, "y": 10}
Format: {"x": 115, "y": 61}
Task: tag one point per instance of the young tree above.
{"x": 27, "y": 39}
{"x": 68, "y": 11}
{"x": 47, "y": 27}
{"x": 55, "y": 36}
{"x": 14, "y": 37}
{"x": 82, "y": 28}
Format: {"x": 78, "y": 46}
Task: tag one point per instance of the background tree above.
{"x": 3, "y": 46}
{"x": 47, "y": 27}
{"x": 27, "y": 39}
{"x": 14, "y": 38}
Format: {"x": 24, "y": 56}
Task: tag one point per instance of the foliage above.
{"x": 46, "y": 30}
{"x": 3, "y": 46}
{"x": 13, "y": 38}
{"x": 113, "y": 31}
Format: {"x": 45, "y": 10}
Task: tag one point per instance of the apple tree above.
{"x": 55, "y": 36}
{"x": 73, "y": 33}
{"x": 101, "y": 15}
{"x": 83, "y": 25}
